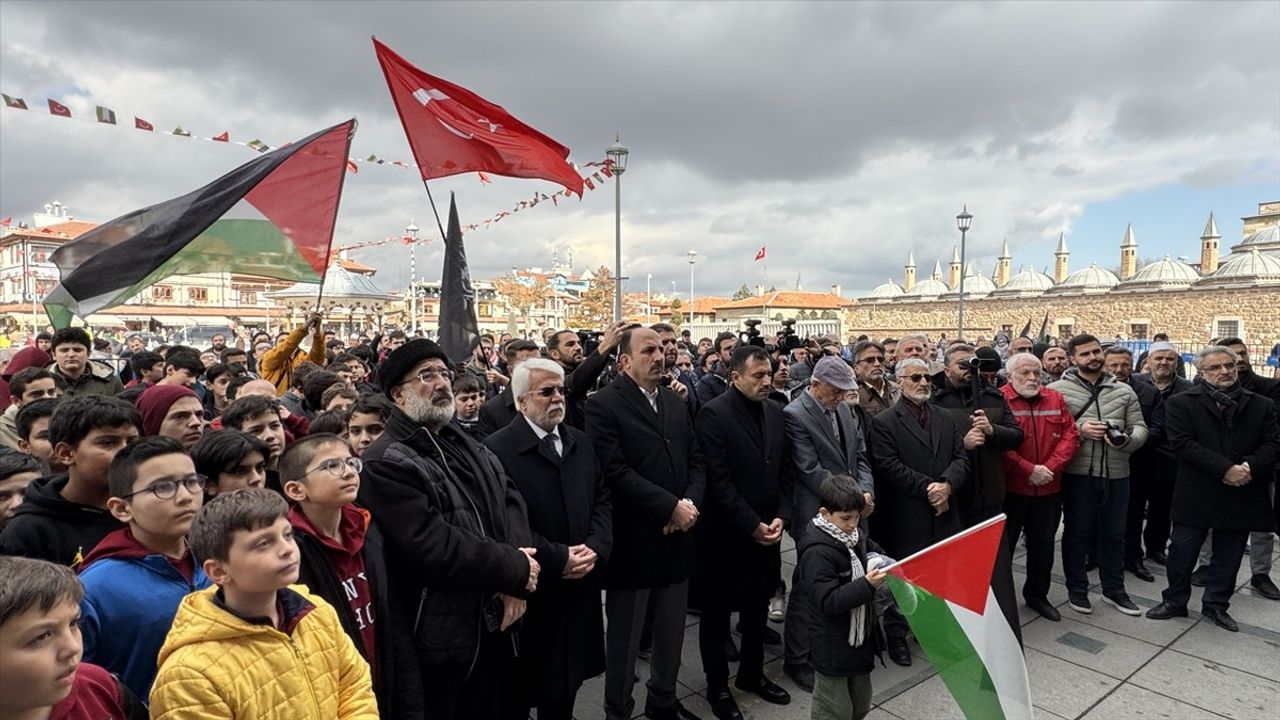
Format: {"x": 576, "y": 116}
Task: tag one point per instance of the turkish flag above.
{"x": 760, "y": 255}
{"x": 452, "y": 130}
{"x": 224, "y": 137}
{"x": 57, "y": 108}
{"x": 141, "y": 124}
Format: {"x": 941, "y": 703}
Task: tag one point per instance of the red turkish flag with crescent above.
{"x": 760, "y": 254}
{"x": 57, "y": 108}
{"x": 452, "y": 130}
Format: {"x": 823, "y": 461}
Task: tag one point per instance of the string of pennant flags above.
{"x": 107, "y": 116}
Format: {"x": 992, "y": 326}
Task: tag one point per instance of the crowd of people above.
{"x": 369, "y": 528}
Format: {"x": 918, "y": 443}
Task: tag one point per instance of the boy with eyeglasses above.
{"x": 136, "y": 577}
{"x": 341, "y": 552}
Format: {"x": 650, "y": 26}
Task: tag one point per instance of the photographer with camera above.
{"x": 1095, "y": 485}
{"x": 583, "y": 355}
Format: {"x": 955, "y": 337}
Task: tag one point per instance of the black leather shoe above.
{"x": 731, "y": 651}
{"x": 1140, "y": 571}
{"x": 1164, "y": 611}
{"x": 1045, "y": 609}
{"x": 675, "y": 712}
{"x": 801, "y": 675}
{"x": 722, "y": 704}
{"x": 1200, "y": 576}
{"x": 767, "y": 689}
{"x": 899, "y": 652}
{"x": 1159, "y": 557}
{"x": 1221, "y": 619}
{"x": 1263, "y": 586}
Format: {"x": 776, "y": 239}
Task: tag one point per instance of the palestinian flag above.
{"x": 16, "y": 103}
{"x": 945, "y": 593}
{"x": 106, "y": 115}
{"x": 271, "y": 217}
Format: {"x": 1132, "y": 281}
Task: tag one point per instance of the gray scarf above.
{"x": 858, "y": 616}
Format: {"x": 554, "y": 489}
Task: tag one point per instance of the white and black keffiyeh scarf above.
{"x": 858, "y": 616}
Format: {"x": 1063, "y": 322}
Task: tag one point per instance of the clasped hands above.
{"x": 682, "y": 518}
{"x": 939, "y": 496}
{"x": 770, "y": 534}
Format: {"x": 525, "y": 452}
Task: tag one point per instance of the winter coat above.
{"x": 1157, "y": 435}
{"x": 1206, "y": 444}
{"x": 816, "y": 453}
{"x": 278, "y": 363}
{"x": 99, "y": 378}
{"x": 130, "y": 598}
{"x": 48, "y": 527}
{"x": 496, "y": 413}
{"x": 451, "y": 530}
{"x": 983, "y": 494}
{"x": 30, "y": 356}
{"x": 9, "y": 428}
{"x": 1049, "y": 438}
{"x": 215, "y": 664}
{"x": 1116, "y": 402}
{"x": 826, "y": 577}
{"x": 96, "y": 693}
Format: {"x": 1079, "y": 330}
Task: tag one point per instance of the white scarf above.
{"x": 858, "y": 616}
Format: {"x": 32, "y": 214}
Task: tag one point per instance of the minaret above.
{"x": 1128, "y": 254}
{"x": 1209, "y": 247}
{"x": 1060, "y": 259}
{"x": 909, "y": 277}
{"x": 1002, "y": 265}
{"x": 937, "y": 271}
{"x": 953, "y": 276}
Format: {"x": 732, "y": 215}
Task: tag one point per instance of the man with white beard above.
{"x": 459, "y": 552}
{"x": 1033, "y": 474}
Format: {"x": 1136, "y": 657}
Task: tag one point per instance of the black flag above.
{"x": 458, "y": 327}
{"x": 1026, "y": 329}
{"x": 1044, "y": 328}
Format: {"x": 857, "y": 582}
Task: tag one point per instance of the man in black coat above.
{"x": 920, "y": 463}
{"x": 1118, "y": 360}
{"x": 1227, "y": 442}
{"x": 570, "y": 515}
{"x": 743, "y": 439}
{"x": 712, "y": 384}
{"x": 581, "y": 371}
{"x": 644, "y": 438}
{"x": 1157, "y": 491}
{"x": 460, "y": 556}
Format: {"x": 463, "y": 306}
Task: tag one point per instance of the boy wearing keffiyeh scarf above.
{"x": 834, "y": 573}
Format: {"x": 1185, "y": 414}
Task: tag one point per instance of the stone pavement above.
{"x": 1096, "y": 667}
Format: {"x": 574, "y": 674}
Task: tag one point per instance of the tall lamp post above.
{"x": 648, "y": 297}
{"x": 617, "y": 154}
{"x": 963, "y": 221}
{"x": 693, "y": 258}
{"x": 412, "y": 230}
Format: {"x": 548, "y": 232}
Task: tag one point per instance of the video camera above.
{"x": 983, "y": 365}
{"x": 751, "y": 336}
{"x": 787, "y": 339}
{"x": 590, "y": 340}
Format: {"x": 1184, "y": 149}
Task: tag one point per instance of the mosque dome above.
{"x": 886, "y": 291}
{"x": 975, "y": 285}
{"x": 1265, "y": 240}
{"x": 1247, "y": 269}
{"x": 928, "y": 288}
{"x": 1027, "y": 282}
{"x": 1092, "y": 279}
{"x": 1165, "y": 274}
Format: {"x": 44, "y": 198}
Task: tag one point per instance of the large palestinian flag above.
{"x": 271, "y": 217}
{"x": 945, "y": 593}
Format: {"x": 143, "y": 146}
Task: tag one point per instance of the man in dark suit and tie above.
{"x": 744, "y": 444}
{"x": 554, "y": 466}
{"x": 644, "y": 438}
{"x": 825, "y": 440}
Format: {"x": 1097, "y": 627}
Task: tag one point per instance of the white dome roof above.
{"x": 885, "y": 291}
{"x": 1090, "y": 279}
{"x": 975, "y": 285}
{"x": 928, "y": 288}
{"x": 1251, "y": 268}
{"x": 1028, "y": 281}
{"x": 1163, "y": 273}
{"x": 1268, "y": 238}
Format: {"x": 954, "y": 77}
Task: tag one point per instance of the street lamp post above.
{"x": 693, "y": 258}
{"x": 617, "y": 155}
{"x": 648, "y": 297}
{"x": 412, "y": 230}
{"x": 963, "y": 221}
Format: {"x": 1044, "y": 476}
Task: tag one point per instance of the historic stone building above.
{"x": 1236, "y": 294}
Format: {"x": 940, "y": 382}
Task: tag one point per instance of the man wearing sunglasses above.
{"x": 555, "y": 468}
{"x": 460, "y": 554}
{"x": 875, "y": 393}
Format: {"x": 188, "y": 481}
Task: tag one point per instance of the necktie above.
{"x": 550, "y": 441}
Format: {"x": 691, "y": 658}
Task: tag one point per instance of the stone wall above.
{"x": 1187, "y": 315}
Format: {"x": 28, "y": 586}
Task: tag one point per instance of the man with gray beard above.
{"x": 459, "y": 552}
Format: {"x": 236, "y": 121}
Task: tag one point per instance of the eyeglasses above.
{"x": 337, "y": 467}
{"x": 873, "y": 360}
{"x": 550, "y": 390}
{"x": 167, "y": 488}
{"x": 430, "y": 375}
{"x": 915, "y": 377}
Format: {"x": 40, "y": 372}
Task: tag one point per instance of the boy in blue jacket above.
{"x": 136, "y": 577}
{"x": 845, "y": 639}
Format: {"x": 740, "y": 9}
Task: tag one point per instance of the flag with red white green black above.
{"x": 944, "y": 591}
{"x": 271, "y": 217}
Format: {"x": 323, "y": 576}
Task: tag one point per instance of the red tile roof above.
{"x": 788, "y": 299}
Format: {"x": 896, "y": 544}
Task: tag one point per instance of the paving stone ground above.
{"x": 1104, "y": 666}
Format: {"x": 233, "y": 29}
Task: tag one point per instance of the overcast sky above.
{"x": 840, "y": 135}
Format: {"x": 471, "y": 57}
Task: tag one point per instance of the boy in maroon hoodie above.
{"x": 341, "y": 554}
{"x": 40, "y": 649}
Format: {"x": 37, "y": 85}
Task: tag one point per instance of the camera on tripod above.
{"x": 983, "y": 365}
{"x": 751, "y": 336}
{"x": 787, "y": 339}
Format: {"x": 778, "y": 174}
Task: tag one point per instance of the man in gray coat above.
{"x": 826, "y": 440}
{"x": 1095, "y": 484}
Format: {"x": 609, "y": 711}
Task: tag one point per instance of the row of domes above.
{"x": 1255, "y": 261}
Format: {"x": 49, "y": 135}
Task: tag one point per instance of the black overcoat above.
{"x": 651, "y": 461}
{"x": 562, "y": 637}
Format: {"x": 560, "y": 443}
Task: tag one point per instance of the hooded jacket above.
{"x": 21, "y": 360}
{"x": 98, "y": 378}
{"x": 130, "y": 597}
{"x": 1050, "y": 439}
{"x": 215, "y": 664}
{"x": 46, "y": 526}
{"x": 1116, "y": 402}
{"x": 277, "y": 364}
{"x": 95, "y": 693}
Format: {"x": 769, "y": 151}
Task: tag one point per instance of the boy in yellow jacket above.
{"x": 276, "y": 365}
{"x": 252, "y": 646}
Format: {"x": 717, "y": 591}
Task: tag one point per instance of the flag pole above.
{"x": 435, "y": 212}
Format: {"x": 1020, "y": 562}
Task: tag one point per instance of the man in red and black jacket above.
{"x": 1033, "y": 474}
